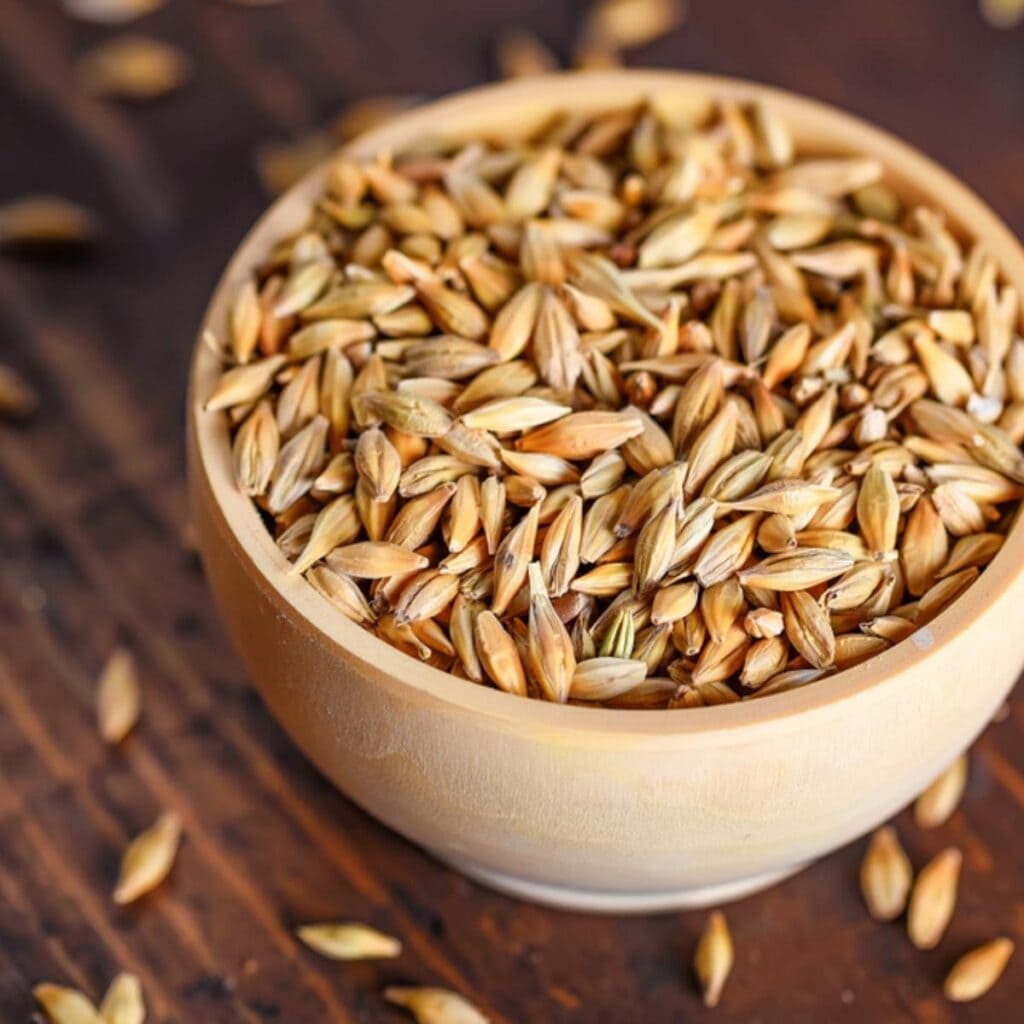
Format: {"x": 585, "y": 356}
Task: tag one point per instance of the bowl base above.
{"x": 566, "y": 898}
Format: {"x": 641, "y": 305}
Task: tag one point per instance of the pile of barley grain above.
{"x": 640, "y": 411}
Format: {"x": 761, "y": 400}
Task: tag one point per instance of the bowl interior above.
{"x": 519, "y": 106}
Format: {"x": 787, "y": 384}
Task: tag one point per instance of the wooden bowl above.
{"x": 591, "y": 808}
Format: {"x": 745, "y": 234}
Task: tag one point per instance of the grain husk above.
{"x": 933, "y": 898}
{"x": 713, "y": 958}
{"x": 935, "y": 805}
{"x": 885, "y": 875}
{"x": 148, "y": 859}
{"x": 978, "y": 970}
{"x": 348, "y": 941}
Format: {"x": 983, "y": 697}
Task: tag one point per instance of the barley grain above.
{"x": 64, "y": 1005}
{"x": 148, "y": 859}
{"x": 133, "y": 67}
{"x": 118, "y": 697}
{"x": 349, "y": 941}
{"x": 123, "y": 1002}
{"x": 435, "y": 1005}
{"x": 977, "y": 971}
{"x": 933, "y": 899}
{"x": 934, "y": 806}
{"x": 885, "y": 875}
{"x": 713, "y": 958}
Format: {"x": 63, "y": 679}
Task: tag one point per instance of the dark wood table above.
{"x": 92, "y": 509}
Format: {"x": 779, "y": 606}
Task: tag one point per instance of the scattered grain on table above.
{"x": 348, "y": 941}
{"x": 435, "y": 1005}
{"x": 977, "y": 971}
{"x": 935, "y": 805}
{"x": 118, "y": 696}
{"x": 148, "y": 859}
{"x": 713, "y": 958}
{"x": 933, "y": 898}
{"x": 45, "y": 222}
{"x": 885, "y": 875}
{"x": 133, "y": 67}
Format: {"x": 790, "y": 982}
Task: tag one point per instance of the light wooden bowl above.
{"x": 591, "y": 808}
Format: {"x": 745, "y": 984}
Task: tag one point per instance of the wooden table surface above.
{"x": 92, "y": 508}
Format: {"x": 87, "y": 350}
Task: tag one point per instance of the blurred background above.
{"x": 138, "y": 141}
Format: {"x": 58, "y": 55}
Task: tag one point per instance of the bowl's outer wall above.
{"x": 685, "y": 799}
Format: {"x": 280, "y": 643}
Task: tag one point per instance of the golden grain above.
{"x": 713, "y": 958}
{"x": 348, "y": 941}
{"x": 978, "y": 970}
{"x": 118, "y": 697}
{"x": 798, "y": 569}
{"x": 934, "y": 806}
{"x": 521, "y": 55}
{"x": 148, "y": 859}
{"x": 933, "y": 898}
{"x": 628, "y": 23}
{"x": 43, "y": 221}
{"x": 374, "y": 560}
{"x": 133, "y": 67}
{"x": 63, "y": 1005}
{"x": 885, "y": 875}
{"x": 435, "y": 1005}
{"x": 123, "y": 1002}
{"x": 551, "y": 659}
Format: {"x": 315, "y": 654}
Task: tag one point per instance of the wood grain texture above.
{"x": 92, "y": 505}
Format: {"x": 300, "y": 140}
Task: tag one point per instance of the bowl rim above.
{"x": 295, "y": 599}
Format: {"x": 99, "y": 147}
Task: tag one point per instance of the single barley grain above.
{"x": 713, "y": 958}
{"x": 118, "y": 697}
{"x": 45, "y": 222}
{"x": 435, "y": 1005}
{"x": 885, "y": 875}
{"x": 628, "y": 23}
{"x": 133, "y": 68}
{"x": 521, "y": 55}
{"x": 933, "y": 898}
{"x": 148, "y": 859}
{"x": 349, "y": 941}
{"x": 123, "y": 1002}
{"x": 1003, "y": 13}
{"x": 977, "y": 971}
{"x": 934, "y": 806}
{"x": 63, "y": 1005}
